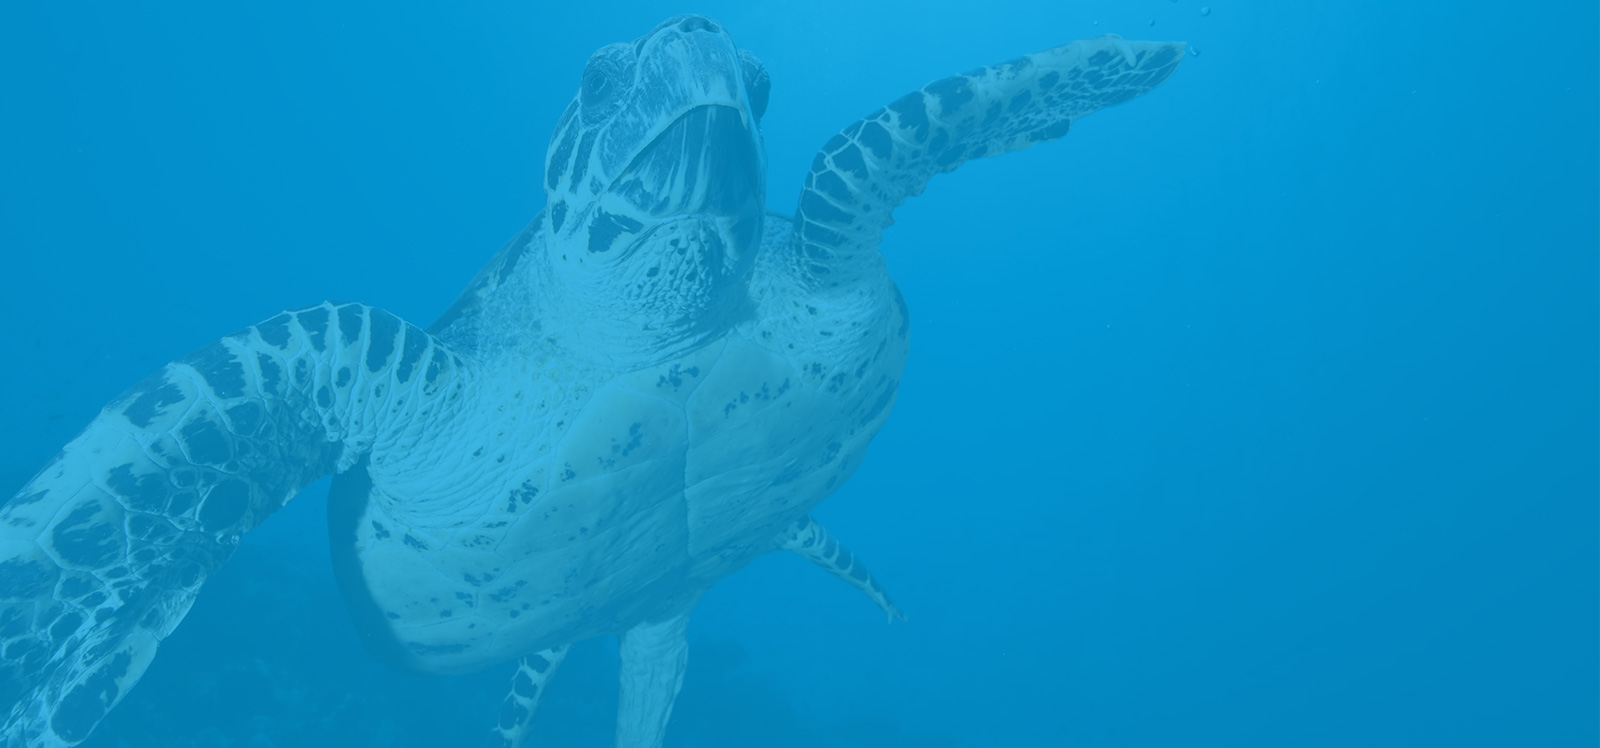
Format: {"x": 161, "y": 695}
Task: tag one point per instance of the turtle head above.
{"x": 655, "y": 178}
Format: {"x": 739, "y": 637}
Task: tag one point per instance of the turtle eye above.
{"x": 595, "y": 83}
{"x": 603, "y": 78}
{"x": 757, "y": 83}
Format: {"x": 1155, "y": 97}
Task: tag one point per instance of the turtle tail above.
{"x": 871, "y": 167}
{"x": 103, "y": 552}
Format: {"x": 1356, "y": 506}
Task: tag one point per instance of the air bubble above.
{"x": 1205, "y": 10}
{"x": 1194, "y": 51}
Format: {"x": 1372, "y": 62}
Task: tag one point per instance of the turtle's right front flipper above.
{"x": 103, "y": 552}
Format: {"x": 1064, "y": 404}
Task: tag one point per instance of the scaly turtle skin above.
{"x": 651, "y": 385}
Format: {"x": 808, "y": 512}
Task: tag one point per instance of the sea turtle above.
{"x": 651, "y": 385}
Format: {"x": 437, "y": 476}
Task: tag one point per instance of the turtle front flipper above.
{"x": 527, "y": 690}
{"x": 103, "y": 552}
{"x": 872, "y": 166}
{"x": 811, "y": 540}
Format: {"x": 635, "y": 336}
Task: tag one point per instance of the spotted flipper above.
{"x": 872, "y": 166}
{"x": 810, "y": 539}
{"x": 527, "y": 690}
{"x": 103, "y": 552}
{"x": 654, "y": 656}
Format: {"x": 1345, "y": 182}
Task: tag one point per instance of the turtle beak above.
{"x": 696, "y": 98}
{"x": 687, "y": 148}
{"x": 707, "y": 161}
{"x": 701, "y": 154}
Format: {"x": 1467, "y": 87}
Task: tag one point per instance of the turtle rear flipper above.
{"x": 871, "y": 167}
{"x": 528, "y": 685}
{"x": 808, "y": 538}
{"x": 104, "y": 551}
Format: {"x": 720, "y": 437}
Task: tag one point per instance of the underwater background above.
{"x": 1259, "y": 411}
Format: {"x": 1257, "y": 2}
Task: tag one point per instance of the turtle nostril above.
{"x": 698, "y": 23}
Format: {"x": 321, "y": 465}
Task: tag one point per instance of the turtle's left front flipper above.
{"x": 811, "y": 540}
{"x": 103, "y": 552}
{"x": 872, "y": 166}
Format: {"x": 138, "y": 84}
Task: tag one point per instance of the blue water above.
{"x": 1260, "y": 411}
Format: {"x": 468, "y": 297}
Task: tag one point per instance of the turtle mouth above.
{"x": 706, "y": 162}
